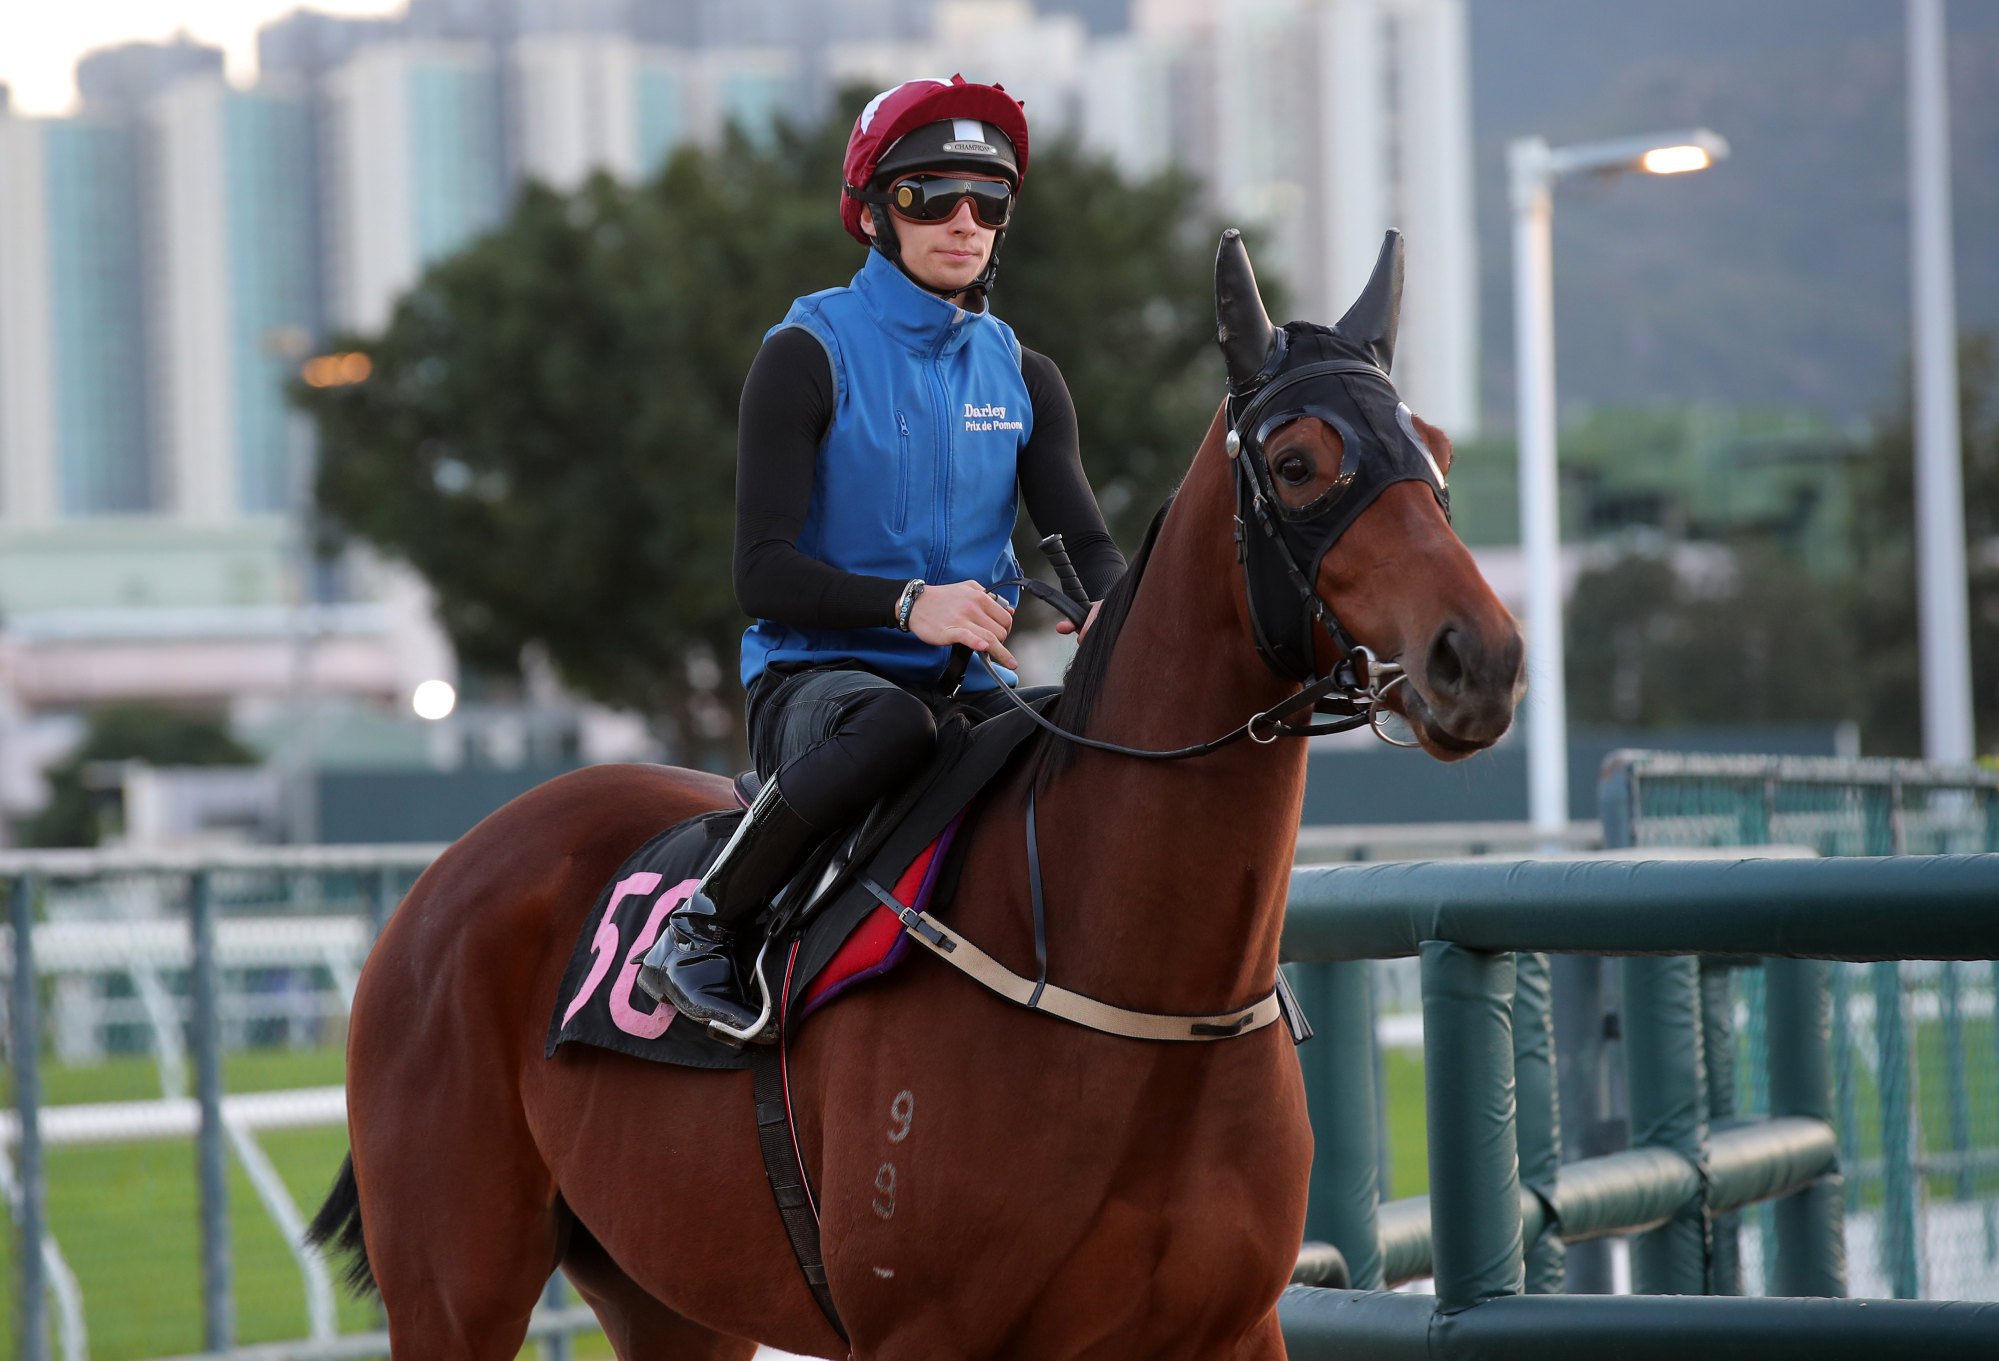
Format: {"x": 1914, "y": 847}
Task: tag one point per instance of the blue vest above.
{"x": 917, "y": 474}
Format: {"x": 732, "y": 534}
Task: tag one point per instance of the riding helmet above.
{"x": 931, "y": 125}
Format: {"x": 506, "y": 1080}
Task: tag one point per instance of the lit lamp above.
{"x": 434, "y": 700}
{"x": 1535, "y": 167}
{"x": 336, "y": 370}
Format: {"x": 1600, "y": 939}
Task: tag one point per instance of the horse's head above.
{"x": 1345, "y": 515}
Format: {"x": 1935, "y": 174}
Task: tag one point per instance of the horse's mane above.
{"x": 1083, "y": 685}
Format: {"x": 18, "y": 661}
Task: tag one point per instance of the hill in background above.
{"x": 1780, "y": 278}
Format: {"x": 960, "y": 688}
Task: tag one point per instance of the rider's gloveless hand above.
{"x": 1064, "y": 626}
{"x": 964, "y": 612}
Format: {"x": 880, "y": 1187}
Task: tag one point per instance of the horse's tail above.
{"x": 337, "y": 1228}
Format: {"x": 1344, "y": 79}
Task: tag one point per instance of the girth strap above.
{"x": 787, "y": 1175}
{"x": 989, "y": 973}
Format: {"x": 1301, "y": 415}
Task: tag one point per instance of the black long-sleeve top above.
{"x": 786, "y": 408}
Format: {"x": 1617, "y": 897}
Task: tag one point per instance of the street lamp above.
{"x": 1534, "y": 168}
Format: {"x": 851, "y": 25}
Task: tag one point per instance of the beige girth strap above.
{"x": 1087, "y": 1012}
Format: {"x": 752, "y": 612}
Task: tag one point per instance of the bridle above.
{"x": 1353, "y": 692}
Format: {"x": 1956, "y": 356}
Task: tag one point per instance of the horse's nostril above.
{"x": 1447, "y": 664}
{"x": 1513, "y": 659}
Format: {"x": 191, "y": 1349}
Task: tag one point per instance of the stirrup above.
{"x": 763, "y": 1030}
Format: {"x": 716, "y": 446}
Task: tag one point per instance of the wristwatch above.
{"x": 907, "y": 605}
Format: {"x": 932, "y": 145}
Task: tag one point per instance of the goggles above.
{"x": 934, "y": 198}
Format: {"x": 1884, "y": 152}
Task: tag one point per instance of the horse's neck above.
{"x": 1176, "y": 872}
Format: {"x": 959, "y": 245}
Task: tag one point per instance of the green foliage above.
{"x": 135, "y": 732}
{"x": 1887, "y": 647}
{"x": 1650, "y": 647}
{"x": 1777, "y": 638}
{"x": 548, "y": 434}
{"x": 1114, "y": 281}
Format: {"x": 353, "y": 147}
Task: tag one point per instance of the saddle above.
{"x": 827, "y": 930}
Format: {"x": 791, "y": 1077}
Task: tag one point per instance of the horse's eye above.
{"x": 1294, "y": 469}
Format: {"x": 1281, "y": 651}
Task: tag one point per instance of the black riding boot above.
{"x": 693, "y": 966}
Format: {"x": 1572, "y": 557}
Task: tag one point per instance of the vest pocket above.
{"x": 901, "y": 473}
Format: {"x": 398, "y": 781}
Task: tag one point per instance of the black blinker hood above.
{"x": 1337, "y": 374}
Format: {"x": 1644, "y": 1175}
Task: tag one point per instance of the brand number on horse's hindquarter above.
{"x": 901, "y": 1116}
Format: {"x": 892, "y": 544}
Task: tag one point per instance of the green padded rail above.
{"x": 1639, "y": 1188}
{"x": 1911, "y": 907}
{"x": 1339, "y": 1325}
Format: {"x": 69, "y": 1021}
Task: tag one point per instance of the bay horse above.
{"x": 991, "y": 1183}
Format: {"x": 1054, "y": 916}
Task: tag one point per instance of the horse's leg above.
{"x": 458, "y": 1209}
{"x": 639, "y": 1326}
{"x": 462, "y": 1233}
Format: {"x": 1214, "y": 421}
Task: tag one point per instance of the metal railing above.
{"x": 172, "y": 925}
{"x": 1500, "y": 1200}
{"x": 1915, "y": 1101}
{"x": 211, "y": 923}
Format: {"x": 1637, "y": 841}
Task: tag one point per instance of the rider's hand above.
{"x": 1064, "y": 626}
{"x": 964, "y": 612}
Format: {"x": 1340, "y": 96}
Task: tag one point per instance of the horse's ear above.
{"x": 1371, "y": 322}
{"x": 1241, "y": 324}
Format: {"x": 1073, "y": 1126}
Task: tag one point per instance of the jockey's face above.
{"x": 943, "y": 256}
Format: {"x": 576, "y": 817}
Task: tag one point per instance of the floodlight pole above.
{"x": 1942, "y": 590}
{"x": 1533, "y": 168}
{"x": 1532, "y": 179}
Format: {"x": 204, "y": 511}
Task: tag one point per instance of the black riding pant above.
{"x": 836, "y": 739}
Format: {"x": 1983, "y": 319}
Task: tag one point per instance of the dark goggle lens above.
{"x": 934, "y": 198}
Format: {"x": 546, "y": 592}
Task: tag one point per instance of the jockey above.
{"x": 889, "y": 432}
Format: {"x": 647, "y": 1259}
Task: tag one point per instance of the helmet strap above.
{"x": 890, "y": 245}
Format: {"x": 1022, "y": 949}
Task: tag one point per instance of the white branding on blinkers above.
{"x": 1406, "y": 418}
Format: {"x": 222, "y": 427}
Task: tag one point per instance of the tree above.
{"x": 1766, "y": 640}
{"x": 133, "y": 732}
{"x": 1757, "y": 641}
{"x": 1885, "y": 645}
{"x": 548, "y": 431}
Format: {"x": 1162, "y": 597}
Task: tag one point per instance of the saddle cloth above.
{"x": 850, "y": 938}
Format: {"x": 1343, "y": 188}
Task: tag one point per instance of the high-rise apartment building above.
{"x": 118, "y": 81}
{"x": 583, "y": 105}
{"x": 232, "y": 292}
{"x": 1324, "y": 122}
{"x": 413, "y": 159}
{"x": 73, "y": 409}
{"x": 584, "y": 102}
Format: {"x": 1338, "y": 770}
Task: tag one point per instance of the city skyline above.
{"x": 168, "y": 251}
{"x": 376, "y": 147}
{"x": 40, "y": 46}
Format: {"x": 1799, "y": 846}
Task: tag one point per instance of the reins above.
{"x": 1364, "y": 696}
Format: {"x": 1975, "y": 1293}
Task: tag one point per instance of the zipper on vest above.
{"x": 941, "y": 550}
{"x": 902, "y": 473}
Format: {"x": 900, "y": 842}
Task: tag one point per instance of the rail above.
{"x": 1501, "y": 1203}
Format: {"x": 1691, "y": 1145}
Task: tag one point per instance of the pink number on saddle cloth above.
{"x": 646, "y": 1026}
{"x": 604, "y": 946}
